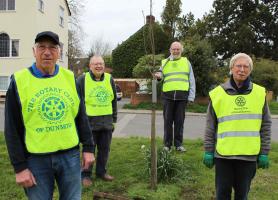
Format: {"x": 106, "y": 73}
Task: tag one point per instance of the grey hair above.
{"x": 96, "y": 56}
{"x": 236, "y": 57}
{"x": 179, "y": 43}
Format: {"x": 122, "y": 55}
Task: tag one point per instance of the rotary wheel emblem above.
{"x": 175, "y": 64}
{"x": 102, "y": 96}
{"x": 53, "y": 108}
{"x": 240, "y": 101}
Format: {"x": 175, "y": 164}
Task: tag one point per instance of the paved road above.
{"x": 132, "y": 123}
{"x": 138, "y": 123}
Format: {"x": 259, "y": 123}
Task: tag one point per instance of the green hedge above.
{"x": 125, "y": 56}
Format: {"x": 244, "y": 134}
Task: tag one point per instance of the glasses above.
{"x": 96, "y": 64}
{"x": 51, "y": 48}
{"x": 244, "y": 67}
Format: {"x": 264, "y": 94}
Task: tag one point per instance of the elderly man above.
{"x": 44, "y": 122}
{"x": 99, "y": 92}
{"x": 178, "y": 89}
{"x": 238, "y": 130}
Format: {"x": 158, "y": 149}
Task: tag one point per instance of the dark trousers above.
{"x": 102, "y": 141}
{"x": 174, "y": 114}
{"x": 231, "y": 173}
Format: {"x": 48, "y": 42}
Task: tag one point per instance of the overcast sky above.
{"x": 115, "y": 20}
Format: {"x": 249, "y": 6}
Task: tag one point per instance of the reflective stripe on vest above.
{"x": 176, "y": 75}
{"x": 239, "y": 121}
{"x": 98, "y": 96}
{"x": 49, "y": 108}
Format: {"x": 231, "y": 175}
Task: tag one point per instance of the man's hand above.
{"x": 87, "y": 160}
{"x": 25, "y": 178}
{"x": 208, "y": 159}
{"x": 158, "y": 75}
{"x": 113, "y": 127}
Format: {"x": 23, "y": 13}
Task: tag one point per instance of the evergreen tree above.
{"x": 249, "y": 26}
{"x": 170, "y": 16}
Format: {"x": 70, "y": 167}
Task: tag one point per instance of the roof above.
{"x": 67, "y": 4}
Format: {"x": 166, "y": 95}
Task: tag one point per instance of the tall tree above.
{"x": 170, "y": 16}
{"x": 249, "y": 26}
{"x": 100, "y": 47}
{"x": 76, "y": 32}
{"x": 184, "y": 25}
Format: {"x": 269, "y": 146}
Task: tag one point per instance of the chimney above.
{"x": 150, "y": 19}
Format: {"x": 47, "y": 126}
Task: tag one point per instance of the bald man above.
{"x": 99, "y": 92}
{"x": 177, "y": 90}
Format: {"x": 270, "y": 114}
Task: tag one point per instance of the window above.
{"x": 4, "y": 83}
{"x": 4, "y": 45}
{"x": 8, "y": 47}
{"x": 15, "y": 46}
{"x": 61, "y": 16}
{"x": 7, "y": 4}
{"x": 61, "y": 51}
{"x": 40, "y": 5}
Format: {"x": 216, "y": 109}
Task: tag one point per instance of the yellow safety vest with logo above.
{"x": 98, "y": 95}
{"x": 239, "y": 121}
{"x": 176, "y": 75}
{"x": 49, "y": 107}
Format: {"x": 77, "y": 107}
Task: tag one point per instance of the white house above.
{"x": 20, "y": 21}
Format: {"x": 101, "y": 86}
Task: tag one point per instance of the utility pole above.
{"x": 154, "y": 100}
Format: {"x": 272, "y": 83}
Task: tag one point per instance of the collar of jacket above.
{"x": 230, "y": 88}
{"x": 94, "y": 77}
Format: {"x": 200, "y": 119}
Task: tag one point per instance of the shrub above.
{"x": 265, "y": 73}
{"x": 145, "y": 68}
{"x": 200, "y": 54}
{"x": 169, "y": 167}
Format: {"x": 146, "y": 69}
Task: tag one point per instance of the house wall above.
{"x": 24, "y": 23}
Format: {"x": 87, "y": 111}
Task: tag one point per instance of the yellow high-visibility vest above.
{"x": 239, "y": 121}
{"x": 49, "y": 107}
{"x": 176, "y": 75}
{"x": 98, "y": 96}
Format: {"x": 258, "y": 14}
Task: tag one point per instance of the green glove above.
{"x": 208, "y": 159}
{"x": 263, "y": 161}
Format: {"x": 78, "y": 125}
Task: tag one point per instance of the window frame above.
{"x": 61, "y": 51}
{"x": 10, "y": 50}
{"x": 7, "y": 4}
{"x": 61, "y": 16}
{"x": 41, "y": 5}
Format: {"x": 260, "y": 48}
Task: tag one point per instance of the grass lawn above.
{"x": 127, "y": 164}
{"x": 197, "y": 108}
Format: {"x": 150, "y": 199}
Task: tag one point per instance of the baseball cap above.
{"x": 47, "y": 34}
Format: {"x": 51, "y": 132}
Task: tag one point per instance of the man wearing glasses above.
{"x": 44, "y": 123}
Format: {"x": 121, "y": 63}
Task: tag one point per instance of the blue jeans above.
{"x": 64, "y": 167}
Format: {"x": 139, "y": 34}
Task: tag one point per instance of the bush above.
{"x": 169, "y": 167}
{"x": 265, "y": 73}
{"x": 200, "y": 54}
{"x": 145, "y": 68}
